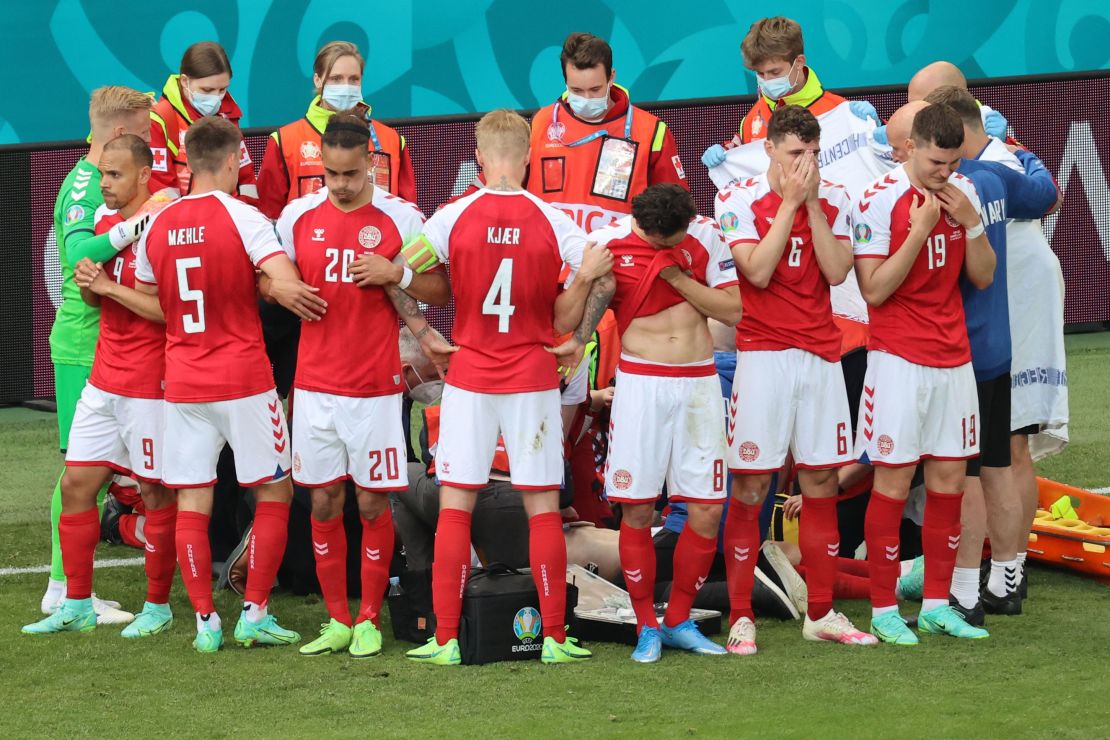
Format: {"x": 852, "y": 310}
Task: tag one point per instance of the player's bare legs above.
{"x": 1025, "y": 485}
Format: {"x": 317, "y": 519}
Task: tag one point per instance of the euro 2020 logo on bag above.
{"x": 526, "y": 627}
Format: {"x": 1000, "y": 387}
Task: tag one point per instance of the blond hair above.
{"x": 331, "y": 53}
{"x": 772, "y": 38}
{"x": 109, "y": 103}
{"x": 503, "y": 134}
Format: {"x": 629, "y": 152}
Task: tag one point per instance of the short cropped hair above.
{"x": 938, "y": 124}
{"x": 772, "y": 38}
{"x": 109, "y": 103}
{"x": 204, "y": 59}
{"x": 961, "y": 101}
{"x": 139, "y": 149}
{"x": 209, "y": 141}
{"x": 346, "y": 131}
{"x": 586, "y": 51}
{"x": 793, "y": 119}
{"x": 503, "y": 133}
{"x": 664, "y": 209}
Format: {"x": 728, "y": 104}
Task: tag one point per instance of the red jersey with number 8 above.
{"x": 352, "y": 350}
{"x": 201, "y": 251}
{"x": 923, "y": 319}
{"x": 506, "y": 250}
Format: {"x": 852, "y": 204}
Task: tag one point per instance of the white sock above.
{"x": 904, "y": 567}
{"x": 877, "y": 610}
{"x": 965, "y": 587}
{"x": 1004, "y": 577}
{"x": 1021, "y": 562}
{"x": 140, "y": 529}
{"x": 213, "y": 622}
{"x": 253, "y": 612}
{"x": 930, "y": 604}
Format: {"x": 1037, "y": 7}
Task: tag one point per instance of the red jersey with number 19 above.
{"x": 506, "y": 249}
{"x": 923, "y": 319}
{"x": 202, "y": 251}
{"x": 352, "y": 351}
{"x": 131, "y": 351}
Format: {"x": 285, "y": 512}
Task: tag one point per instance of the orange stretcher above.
{"x": 1080, "y": 539}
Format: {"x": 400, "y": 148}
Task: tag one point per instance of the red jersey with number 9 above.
{"x": 352, "y": 350}
{"x": 923, "y": 319}
{"x": 201, "y": 251}
{"x": 506, "y": 249}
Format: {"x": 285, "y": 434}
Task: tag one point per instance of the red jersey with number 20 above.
{"x": 506, "y": 250}
{"x": 352, "y": 350}
{"x": 131, "y": 351}
{"x": 923, "y": 319}
{"x": 795, "y": 309}
{"x": 201, "y": 251}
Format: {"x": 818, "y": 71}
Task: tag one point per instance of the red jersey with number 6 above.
{"x": 795, "y": 309}
{"x": 201, "y": 251}
{"x": 352, "y": 350}
{"x": 131, "y": 351}
{"x": 506, "y": 250}
{"x": 923, "y": 319}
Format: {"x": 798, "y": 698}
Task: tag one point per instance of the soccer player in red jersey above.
{"x": 348, "y": 421}
{"x": 916, "y": 231}
{"x": 118, "y": 423}
{"x": 200, "y": 261}
{"x": 672, "y": 270}
{"x": 789, "y": 232}
{"x": 506, "y": 248}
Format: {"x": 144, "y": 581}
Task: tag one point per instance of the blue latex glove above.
{"x": 863, "y": 110}
{"x": 713, "y": 156}
{"x": 996, "y": 125}
{"x": 879, "y": 135}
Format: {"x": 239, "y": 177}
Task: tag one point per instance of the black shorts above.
{"x": 994, "y": 425}
{"x": 1027, "y": 430}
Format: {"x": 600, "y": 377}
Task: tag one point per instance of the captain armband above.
{"x": 420, "y": 255}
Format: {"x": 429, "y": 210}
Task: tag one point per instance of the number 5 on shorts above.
{"x": 498, "y": 301}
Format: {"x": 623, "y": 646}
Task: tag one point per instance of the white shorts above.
{"x": 118, "y": 432}
{"x": 787, "y": 400}
{"x": 918, "y": 412}
{"x": 666, "y": 425}
{"x": 530, "y": 424}
{"x": 254, "y": 427}
{"x": 339, "y": 437}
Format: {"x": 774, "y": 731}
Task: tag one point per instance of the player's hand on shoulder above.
{"x": 956, "y": 203}
{"x": 299, "y": 297}
{"x": 568, "y": 355}
{"x": 924, "y": 212}
{"x": 373, "y": 269}
{"x": 436, "y": 348}
{"x": 596, "y": 261}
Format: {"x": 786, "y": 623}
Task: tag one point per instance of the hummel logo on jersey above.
{"x": 317, "y": 235}
{"x": 626, "y": 260}
{"x": 372, "y": 554}
{"x": 321, "y": 548}
{"x": 634, "y": 576}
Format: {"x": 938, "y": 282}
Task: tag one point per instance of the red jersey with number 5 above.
{"x": 506, "y": 250}
{"x": 923, "y": 319}
{"x": 201, "y": 251}
{"x": 795, "y": 309}
{"x": 131, "y": 351}
{"x": 352, "y": 350}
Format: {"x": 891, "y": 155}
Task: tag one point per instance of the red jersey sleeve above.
{"x": 273, "y": 180}
{"x": 665, "y": 164}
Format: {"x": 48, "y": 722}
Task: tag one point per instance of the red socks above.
{"x": 741, "y": 551}
{"x": 637, "y": 553}
{"x": 450, "y": 568}
{"x": 693, "y": 556}
{"x": 377, "y": 553}
{"x": 881, "y": 532}
{"x": 547, "y": 555}
{"x": 78, "y": 535}
{"x": 194, "y": 555}
{"x": 267, "y": 547}
{"x": 128, "y": 531}
{"x": 940, "y": 539}
{"x": 161, "y": 557}
{"x": 819, "y": 541}
{"x": 329, "y": 547}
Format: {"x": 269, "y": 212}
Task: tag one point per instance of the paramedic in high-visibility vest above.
{"x": 774, "y": 51}
{"x": 291, "y": 166}
{"x": 199, "y": 90}
{"x": 592, "y": 150}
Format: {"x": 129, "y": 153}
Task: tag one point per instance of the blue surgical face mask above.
{"x": 206, "y": 104}
{"x": 588, "y": 109}
{"x": 777, "y": 88}
{"x": 342, "y": 97}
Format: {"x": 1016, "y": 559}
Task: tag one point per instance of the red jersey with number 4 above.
{"x": 506, "y": 250}
{"x": 201, "y": 251}
{"x": 352, "y": 351}
{"x": 923, "y": 319}
{"x": 131, "y": 351}
{"x": 795, "y": 309}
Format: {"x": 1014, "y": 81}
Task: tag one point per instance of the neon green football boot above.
{"x": 152, "y": 620}
{"x": 334, "y": 638}
{"x": 265, "y": 632}
{"x": 567, "y": 651}
{"x": 75, "y": 615}
{"x": 367, "y": 640}
{"x": 435, "y": 654}
{"x": 944, "y": 620}
{"x": 890, "y": 627}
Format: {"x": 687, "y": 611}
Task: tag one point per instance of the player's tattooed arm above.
{"x": 438, "y": 349}
{"x": 571, "y": 303}
{"x": 569, "y": 353}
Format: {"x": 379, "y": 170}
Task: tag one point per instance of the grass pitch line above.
{"x": 109, "y": 563}
{"x": 1101, "y": 491}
